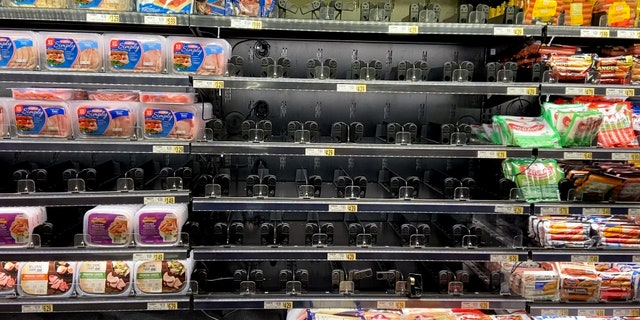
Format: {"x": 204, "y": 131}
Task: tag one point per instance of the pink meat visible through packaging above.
{"x": 105, "y": 119}
{"x": 168, "y": 97}
{"x": 48, "y": 94}
{"x": 41, "y": 119}
{"x": 112, "y": 95}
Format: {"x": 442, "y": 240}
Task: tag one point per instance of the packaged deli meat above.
{"x": 168, "y": 97}
{"x": 157, "y": 277}
{"x": 18, "y": 50}
{"x": 578, "y": 282}
{"x": 71, "y": 51}
{"x": 103, "y": 5}
{"x": 41, "y": 118}
{"x": 135, "y": 53}
{"x": 252, "y": 8}
{"x": 159, "y": 225}
{"x": 46, "y": 279}
{"x": 526, "y": 132}
{"x": 49, "y": 4}
{"x": 537, "y": 178}
{"x": 213, "y": 7}
{"x": 8, "y": 277}
{"x": 165, "y": 6}
{"x": 101, "y": 278}
{"x": 171, "y": 122}
{"x": 109, "y": 225}
{"x": 199, "y": 56}
{"x": 104, "y": 119}
{"x": 17, "y": 223}
{"x": 48, "y": 94}
{"x": 114, "y": 95}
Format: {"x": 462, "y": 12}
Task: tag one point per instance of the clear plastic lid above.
{"x": 19, "y": 50}
{"x": 104, "y": 119}
{"x": 135, "y": 53}
{"x": 198, "y": 56}
{"x": 72, "y": 51}
{"x": 34, "y": 118}
{"x": 104, "y": 278}
{"x": 171, "y": 122}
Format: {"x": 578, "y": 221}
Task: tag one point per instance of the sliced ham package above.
{"x": 159, "y": 225}
{"x": 101, "y": 119}
{"x": 168, "y": 97}
{"x": 17, "y": 223}
{"x": 18, "y": 50}
{"x": 46, "y": 279}
{"x": 158, "y": 277}
{"x": 171, "y": 122}
{"x": 48, "y": 94}
{"x": 72, "y": 51}
{"x": 34, "y": 118}
{"x": 135, "y": 53}
{"x": 104, "y": 278}
{"x": 109, "y": 225}
{"x": 198, "y": 56}
{"x": 8, "y": 277}
{"x": 114, "y": 95}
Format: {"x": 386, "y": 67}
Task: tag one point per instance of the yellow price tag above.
{"x": 37, "y": 308}
{"x": 623, "y": 156}
{"x": 403, "y": 29}
{"x": 345, "y": 87}
{"x": 589, "y": 91}
{"x": 208, "y": 84}
{"x": 246, "y": 24}
{"x": 554, "y": 210}
{"x": 563, "y": 210}
{"x": 341, "y": 256}
{"x": 504, "y": 258}
{"x": 352, "y": 208}
{"x": 492, "y": 154}
{"x": 597, "y": 211}
{"x": 172, "y": 21}
{"x": 343, "y": 208}
{"x": 585, "y": 258}
{"x": 518, "y": 210}
{"x": 361, "y": 88}
{"x": 155, "y": 256}
{"x": 161, "y": 20}
{"x": 578, "y": 156}
{"x": 167, "y": 149}
{"x": 162, "y": 305}
{"x": 278, "y": 304}
{"x": 391, "y": 305}
{"x": 104, "y": 18}
{"x": 159, "y": 200}
{"x": 586, "y": 312}
{"x": 329, "y": 152}
{"x": 474, "y": 305}
{"x": 620, "y": 92}
{"x": 594, "y": 33}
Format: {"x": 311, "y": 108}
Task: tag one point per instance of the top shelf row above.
{"x": 312, "y": 25}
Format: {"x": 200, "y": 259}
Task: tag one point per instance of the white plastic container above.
{"x": 135, "y": 53}
{"x": 109, "y": 225}
{"x": 17, "y": 223}
{"x": 8, "y": 277}
{"x": 71, "y": 51}
{"x": 171, "y": 122}
{"x": 198, "y": 56}
{"x": 160, "y": 225}
{"x": 162, "y": 277}
{"x": 102, "y": 119}
{"x": 34, "y": 118}
{"x": 46, "y": 279}
{"x": 102, "y": 5}
{"x": 104, "y": 278}
{"x": 18, "y": 50}
{"x": 49, "y": 4}
{"x": 163, "y": 6}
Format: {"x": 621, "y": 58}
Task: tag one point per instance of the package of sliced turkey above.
{"x": 104, "y": 278}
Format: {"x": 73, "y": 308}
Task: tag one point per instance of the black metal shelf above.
{"x": 610, "y": 309}
{"x": 593, "y": 32}
{"x": 585, "y": 208}
{"x": 93, "y": 146}
{"x": 588, "y": 89}
{"x": 57, "y": 199}
{"x": 86, "y": 304}
{"x": 90, "y": 254}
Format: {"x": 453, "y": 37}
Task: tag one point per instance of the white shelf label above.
{"x": 555, "y": 312}
{"x": 626, "y": 312}
{"x": 341, "y": 256}
{"x": 587, "y": 312}
{"x": 343, "y": 208}
{"x": 246, "y": 24}
{"x": 635, "y": 259}
{"x": 208, "y": 84}
{"x": 161, "y": 20}
{"x": 153, "y": 256}
{"x": 167, "y": 149}
{"x": 509, "y": 209}
{"x": 474, "y": 305}
{"x": 319, "y": 152}
{"x": 634, "y": 212}
{"x": 584, "y": 258}
{"x": 391, "y": 304}
{"x": 508, "y": 31}
{"x": 278, "y": 304}
{"x": 578, "y": 156}
{"x": 162, "y": 305}
{"x": 597, "y": 211}
{"x": 579, "y": 91}
{"x": 37, "y": 308}
{"x": 522, "y": 91}
{"x": 594, "y": 33}
{"x": 103, "y": 17}
{"x": 554, "y": 210}
{"x": 346, "y": 87}
{"x": 620, "y": 92}
{"x": 628, "y": 34}
{"x": 403, "y": 29}
{"x": 624, "y": 156}
{"x": 159, "y": 200}
{"x": 492, "y": 154}
{"x": 504, "y": 258}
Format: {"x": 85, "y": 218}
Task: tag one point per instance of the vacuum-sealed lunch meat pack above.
{"x": 46, "y": 279}
{"x": 135, "y": 53}
{"x": 72, "y": 51}
{"x": 198, "y": 56}
{"x": 104, "y": 278}
{"x": 18, "y": 50}
{"x": 102, "y": 119}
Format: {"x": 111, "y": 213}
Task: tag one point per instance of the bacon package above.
{"x": 8, "y": 277}
{"x": 48, "y": 94}
{"x": 103, "y": 5}
{"x": 168, "y": 97}
{"x": 159, "y": 225}
{"x": 109, "y": 225}
{"x": 72, "y": 51}
{"x": 102, "y": 278}
{"x": 536, "y": 178}
{"x": 46, "y": 279}
{"x": 93, "y": 119}
{"x": 114, "y": 95}
{"x": 41, "y": 119}
{"x": 18, "y": 50}
{"x": 198, "y": 56}
{"x": 526, "y": 132}
{"x": 136, "y": 53}
{"x": 158, "y": 277}
{"x": 17, "y": 224}
{"x": 172, "y": 122}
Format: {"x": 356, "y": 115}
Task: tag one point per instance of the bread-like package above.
{"x": 159, "y": 225}
{"x": 103, "y": 5}
{"x": 18, "y": 50}
{"x": 49, "y": 4}
{"x": 171, "y": 122}
{"x": 34, "y": 118}
{"x": 109, "y": 225}
{"x": 46, "y": 279}
{"x": 169, "y": 277}
{"x": 8, "y": 277}
{"x": 71, "y": 51}
{"x": 198, "y": 56}
{"x": 135, "y": 53}
{"x": 17, "y": 224}
{"x": 104, "y": 278}
{"x": 103, "y": 119}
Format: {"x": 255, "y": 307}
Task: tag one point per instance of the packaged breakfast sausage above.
{"x": 109, "y": 225}
{"x": 135, "y": 53}
{"x": 158, "y": 277}
{"x": 101, "y": 278}
{"x": 46, "y": 279}
{"x": 103, "y": 119}
{"x": 41, "y": 118}
{"x": 103, "y": 5}
{"x": 18, "y": 50}
{"x": 537, "y": 178}
{"x": 199, "y": 56}
{"x": 71, "y": 51}
{"x": 171, "y": 122}
{"x": 159, "y": 225}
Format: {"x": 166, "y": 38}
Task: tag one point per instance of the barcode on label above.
{"x": 246, "y": 24}
{"x": 319, "y": 152}
{"x": 492, "y": 154}
{"x": 391, "y": 305}
{"x": 623, "y": 156}
{"x": 341, "y": 256}
{"x": 101, "y": 17}
{"x": 159, "y": 200}
{"x": 343, "y": 208}
{"x": 508, "y": 31}
{"x": 37, "y": 308}
{"x": 474, "y": 305}
{"x": 208, "y": 84}
{"x": 159, "y": 20}
{"x": 580, "y": 91}
{"x": 403, "y": 29}
{"x": 554, "y": 210}
{"x": 167, "y": 149}
{"x": 345, "y": 87}
{"x": 154, "y": 256}
{"x": 162, "y": 306}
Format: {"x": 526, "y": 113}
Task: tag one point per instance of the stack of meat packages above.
{"x": 561, "y": 232}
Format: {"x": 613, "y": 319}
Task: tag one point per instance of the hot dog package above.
{"x": 72, "y": 51}
{"x": 159, "y": 225}
{"x": 103, "y": 5}
{"x": 109, "y": 225}
{"x": 158, "y": 277}
{"x": 46, "y": 279}
{"x": 41, "y": 118}
{"x": 135, "y": 53}
{"x": 8, "y": 277}
{"x": 538, "y": 179}
{"x": 18, "y": 50}
{"x": 171, "y": 122}
{"x": 198, "y": 56}
{"x": 165, "y": 6}
{"x": 579, "y": 282}
{"x": 542, "y": 11}
{"x": 101, "y": 119}
{"x": 49, "y": 4}
{"x": 104, "y": 278}
{"x": 17, "y": 223}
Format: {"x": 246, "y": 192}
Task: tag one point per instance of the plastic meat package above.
{"x": 71, "y": 51}
{"x": 577, "y": 12}
{"x": 537, "y": 179}
{"x": 168, "y": 97}
{"x": 18, "y": 50}
{"x": 576, "y": 125}
{"x": 615, "y": 232}
{"x": 537, "y": 282}
{"x": 17, "y": 224}
{"x": 136, "y": 53}
{"x": 103, "y": 5}
{"x": 8, "y": 277}
{"x": 104, "y": 278}
{"x": 619, "y": 13}
{"x": 41, "y": 119}
{"x": 165, "y": 6}
{"x": 198, "y": 56}
{"x": 613, "y": 70}
{"x": 159, "y": 225}
{"x": 616, "y": 129}
{"x": 214, "y": 7}
{"x": 49, "y": 4}
{"x": 526, "y": 132}
{"x": 172, "y": 122}
{"x": 578, "y": 282}
{"x": 542, "y": 11}
{"x": 252, "y": 8}
{"x": 561, "y": 232}
{"x": 574, "y": 68}
{"x": 104, "y": 119}
{"x": 162, "y": 277}
{"x": 114, "y": 95}
{"x": 109, "y": 225}
{"x": 46, "y": 279}
{"x": 48, "y": 94}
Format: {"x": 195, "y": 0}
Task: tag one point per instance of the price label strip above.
{"x": 584, "y": 258}
{"x": 391, "y": 304}
{"x": 504, "y": 258}
{"x": 162, "y": 306}
{"x": 345, "y": 87}
{"x": 597, "y": 211}
{"x": 522, "y": 91}
{"x": 492, "y": 154}
{"x": 37, "y": 308}
{"x": 620, "y": 92}
{"x": 208, "y": 84}
{"x": 161, "y": 20}
{"x": 594, "y": 33}
{"x": 278, "y": 304}
{"x": 634, "y": 212}
{"x": 246, "y": 24}
{"x": 102, "y": 17}
{"x": 316, "y": 152}
{"x": 555, "y": 312}
{"x": 154, "y": 256}
{"x": 403, "y": 29}
{"x": 578, "y": 156}
{"x": 341, "y": 256}
{"x": 159, "y": 200}
{"x": 626, "y": 312}
{"x": 554, "y": 210}
{"x": 343, "y": 208}
{"x": 509, "y": 209}
{"x": 623, "y": 156}
{"x": 580, "y": 91}
{"x": 587, "y": 312}
{"x": 628, "y": 34}
{"x": 475, "y": 305}
{"x": 508, "y": 31}
{"x": 167, "y": 149}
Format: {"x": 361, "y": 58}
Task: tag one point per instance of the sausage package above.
{"x": 171, "y": 122}
{"x": 46, "y": 279}
{"x": 578, "y": 282}
{"x": 48, "y": 94}
{"x": 198, "y": 56}
{"x": 103, "y": 5}
{"x": 135, "y": 53}
{"x": 104, "y": 278}
{"x": 542, "y": 11}
{"x": 18, "y": 50}
{"x": 17, "y": 223}
{"x": 537, "y": 178}
{"x": 165, "y": 6}
{"x": 8, "y": 277}
{"x": 526, "y": 132}
{"x": 102, "y": 119}
{"x": 159, "y": 225}
{"x": 109, "y": 225}
{"x": 49, "y": 4}
{"x": 114, "y": 95}
{"x": 71, "y": 51}
{"x": 34, "y": 118}
{"x": 162, "y": 277}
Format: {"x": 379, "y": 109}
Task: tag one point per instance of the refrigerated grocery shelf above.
{"x": 83, "y": 254}
{"x": 610, "y": 309}
{"x": 94, "y": 198}
{"x": 588, "y": 89}
{"x": 93, "y": 16}
{"x": 586, "y": 255}
{"x": 586, "y": 208}
{"x": 93, "y": 146}
{"x": 80, "y": 304}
